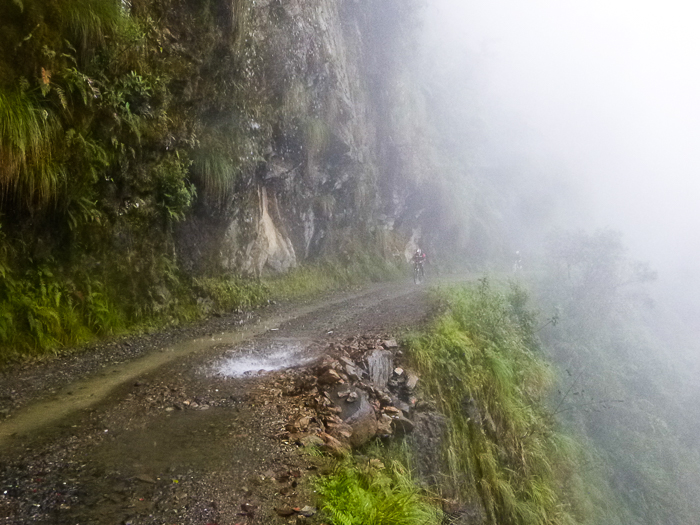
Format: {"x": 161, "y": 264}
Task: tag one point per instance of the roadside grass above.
{"x": 43, "y": 312}
{"x": 481, "y": 364}
{"x": 381, "y": 491}
{"x": 309, "y": 280}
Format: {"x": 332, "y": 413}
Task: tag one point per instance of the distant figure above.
{"x": 418, "y": 269}
{"x": 518, "y": 264}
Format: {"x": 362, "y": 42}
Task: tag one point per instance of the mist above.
{"x": 592, "y": 111}
{"x": 605, "y": 94}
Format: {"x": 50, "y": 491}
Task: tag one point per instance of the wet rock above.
{"x": 379, "y": 364}
{"x": 299, "y": 424}
{"x": 339, "y": 430}
{"x": 307, "y": 511}
{"x": 384, "y": 427}
{"x": 411, "y": 381}
{"x": 333, "y": 419}
{"x": 425, "y": 405}
{"x": 402, "y": 425}
{"x": 329, "y": 377}
{"x": 384, "y": 398}
{"x": 353, "y": 372}
{"x": 347, "y": 361}
{"x": 334, "y": 446}
{"x": 363, "y": 422}
{"x": 427, "y": 440}
{"x": 392, "y": 411}
{"x": 403, "y": 406}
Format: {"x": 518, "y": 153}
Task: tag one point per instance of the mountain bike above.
{"x": 418, "y": 272}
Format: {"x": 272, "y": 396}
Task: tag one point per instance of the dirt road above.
{"x": 180, "y": 427}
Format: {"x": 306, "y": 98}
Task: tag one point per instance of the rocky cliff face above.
{"x": 151, "y": 145}
{"x": 331, "y": 130}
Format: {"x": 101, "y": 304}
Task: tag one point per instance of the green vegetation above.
{"x": 374, "y": 494}
{"x": 46, "y": 312}
{"x": 122, "y": 123}
{"x": 503, "y": 456}
{"x": 622, "y": 394}
{"x": 481, "y": 363}
{"x": 130, "y": 127}
{"x": 332, "y": 275}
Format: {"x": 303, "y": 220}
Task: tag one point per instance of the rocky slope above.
{"x": 155, "y": 143}
{"x": 333, "y": 173}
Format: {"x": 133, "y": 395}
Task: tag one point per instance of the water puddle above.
{"x": 258, "y": 357}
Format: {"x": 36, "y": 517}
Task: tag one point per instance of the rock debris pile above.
{"x": 356, "y": 393}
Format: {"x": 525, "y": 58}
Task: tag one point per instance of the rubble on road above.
{"x": 201, "y": 449}
{"x": 357, "y": 392}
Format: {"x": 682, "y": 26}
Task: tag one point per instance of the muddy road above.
{"x": 181, "y": 427}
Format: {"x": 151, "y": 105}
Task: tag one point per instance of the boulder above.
{"x": 363, "y": 421}
{"x": 402, "y": 425}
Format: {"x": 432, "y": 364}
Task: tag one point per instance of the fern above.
{"x": 356, "y": 496}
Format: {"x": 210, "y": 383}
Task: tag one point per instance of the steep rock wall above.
{"x": 336, "y": 164}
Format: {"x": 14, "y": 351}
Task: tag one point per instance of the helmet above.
{"x": 419, "y": 252}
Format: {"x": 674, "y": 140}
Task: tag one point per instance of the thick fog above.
{"x": 609, "y": 91}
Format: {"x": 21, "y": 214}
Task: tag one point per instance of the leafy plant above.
{"x": 174, "y": 193}
{"x": 355, "y": 495}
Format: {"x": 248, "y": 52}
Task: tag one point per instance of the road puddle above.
{"x": 258, "y": 357}
{"x": 174, "y": 441}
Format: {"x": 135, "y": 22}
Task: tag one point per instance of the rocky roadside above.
{"x": 247, "y": 452}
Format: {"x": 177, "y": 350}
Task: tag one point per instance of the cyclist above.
{"x": 518, "y": 265}
{"x": 418, "y": 260}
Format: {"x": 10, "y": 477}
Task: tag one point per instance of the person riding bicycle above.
{"x": 419, "y": 257}
{"x": 418, "y": 260}
{"x": 518, "y": 264}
